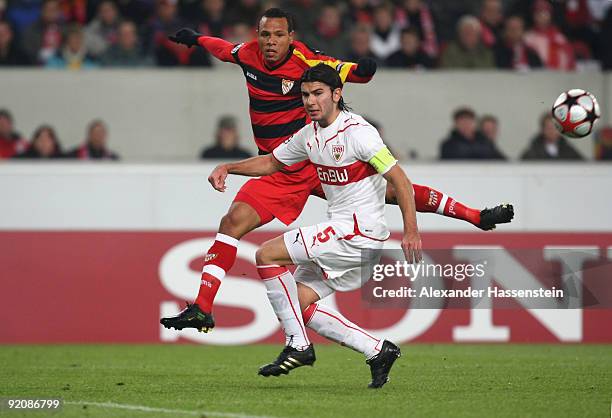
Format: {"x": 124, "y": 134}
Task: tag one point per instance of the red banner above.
{"x": 85, "y": 287}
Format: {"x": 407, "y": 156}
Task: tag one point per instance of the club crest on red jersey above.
{"x": 287, "y": 85}
{"x": 337, "y": 152}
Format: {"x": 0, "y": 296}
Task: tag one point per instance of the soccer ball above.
{"x": 575, "y": 113}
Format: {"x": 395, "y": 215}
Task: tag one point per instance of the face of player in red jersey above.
{"x": 320, "y": 102}
{"x": 274, "y": 39}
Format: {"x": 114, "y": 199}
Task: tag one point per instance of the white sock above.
{"x": 283, "y": 296}
{"x": 332, "y": 325}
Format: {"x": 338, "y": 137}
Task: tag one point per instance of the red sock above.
{"x": 217, "y": 262}
{"x": 431, "y": 200}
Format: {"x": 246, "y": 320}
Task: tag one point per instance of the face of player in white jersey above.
{"x": 274, "y": 38}
{"x": 321, "y": 102}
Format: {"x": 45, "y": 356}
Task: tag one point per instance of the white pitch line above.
{"x": 143, "y": 408}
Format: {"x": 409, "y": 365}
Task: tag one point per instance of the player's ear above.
{"x": 337, "y": 95}
{"x": 291, "y": 34}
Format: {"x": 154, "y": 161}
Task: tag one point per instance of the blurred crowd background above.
{"x": 415, "y": 35}
{"x": 511, "y": 34}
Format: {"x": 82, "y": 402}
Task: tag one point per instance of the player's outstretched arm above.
{"x": 253, "y": 167}
{"x": 219, "y": 48}
{"x": 411, "y": 241}
{"x": 360, "y": 72}
{"x": 363, "y": 71}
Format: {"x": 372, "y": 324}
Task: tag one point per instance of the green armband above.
{"x": 383, "y": 160}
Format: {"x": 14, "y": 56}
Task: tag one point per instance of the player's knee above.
{"x": 234, "y": 224}
{"x": 263, "y": 256}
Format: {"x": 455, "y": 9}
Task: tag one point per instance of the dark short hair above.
{"x": 45, "y": 127}
{"x": 94, "y": 123}
{"x": 5, "y": 113}
{"x": 275, "y": 12}
{"x": 488, "y": 118}
{"x": 325, "y": 74}
{"x": 226, "y": 122}
{"x": 464, "y": 112}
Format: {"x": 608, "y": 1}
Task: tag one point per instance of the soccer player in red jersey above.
{"x": 273, "y": 65}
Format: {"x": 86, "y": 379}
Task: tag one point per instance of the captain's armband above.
{"x": 383, "y": 160}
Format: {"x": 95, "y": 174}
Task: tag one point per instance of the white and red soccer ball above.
{"x": 575, "y": 113}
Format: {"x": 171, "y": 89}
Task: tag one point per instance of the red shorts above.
{"x": 281, "y": 195}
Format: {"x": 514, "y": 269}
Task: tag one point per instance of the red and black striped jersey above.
{"x": 275, "y": 102}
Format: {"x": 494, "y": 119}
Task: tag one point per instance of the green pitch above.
{"x": 429, "y": 380}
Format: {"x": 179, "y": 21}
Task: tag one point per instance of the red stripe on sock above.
{"x": 347, "y": 325}
{"x": 293, "y": 309}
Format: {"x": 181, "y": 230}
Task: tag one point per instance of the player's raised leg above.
{"x": 380, "y": 354}
{"x": 281, "y": 288}
{"x": 239, "y": 220}
{"x": 431, "y": 200}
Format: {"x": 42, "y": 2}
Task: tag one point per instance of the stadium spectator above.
{"x": 244, "y": 11}
{"x": 305, "y": 12}
{"x": 491, "y": 21}
{"x": 464, "y": 141}
{"x": 360, "y": 44}
{"x": 385, "y": 37}
{"x": 415, "y": 14}
{"x": 358, "y": 12}
{"x": 126, "y": 52}
{"x": 549, "y": 144}
{"x": 21, "y": 13}
{"x": 211, "y": 19}
{"x": 488, "y": 127}
{"x": 138, "y": 11}
{"x": 11, "y": 53}
{"x": 604, "y": 41}
{"x": 447, "y": 13}
{"x": 546, "y": 39}
{"x": 226, "y": 142}
{"x": 603, "y": 144}
{"x": 45, "y": 145}
{"x": 410, "y": 55}
{"x": 73, "y": 55}
{"x": 467, "y": 51}
{"x": 328, "y": 35}
{"x": 165, "y": 52}
{"x": 102, "y": 32}
{"x": 43, "y": 39}
{"x": 511, "y": 52}
{"x": 155, "y": 40}
{"x": 11, "y": 142}
{"x": 241, "y": 32}
{"x": 95, "y": 145}
{"x": 579, "y": 26}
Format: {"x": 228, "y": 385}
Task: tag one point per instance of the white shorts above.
{"x": 337, "y": 254}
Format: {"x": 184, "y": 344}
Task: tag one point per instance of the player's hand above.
{"x": 217, "y": 178}
{"x": 366, "y": 67}
{"x": 185, "y": 36}
{"x": 411, "y": 244}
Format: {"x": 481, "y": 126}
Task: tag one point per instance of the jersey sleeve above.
{"x": 293, "y": 150}
{"x": 313, "y": 57}
{"x": 219, "y": 48}
{"x": 369, "y": 147}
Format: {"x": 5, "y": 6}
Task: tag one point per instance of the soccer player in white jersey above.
{"x": 354, "y": 166}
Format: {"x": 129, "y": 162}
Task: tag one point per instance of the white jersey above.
{"x": 340, "y": 153}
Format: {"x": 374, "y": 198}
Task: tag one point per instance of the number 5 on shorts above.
{"x": 326, "y": 234}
